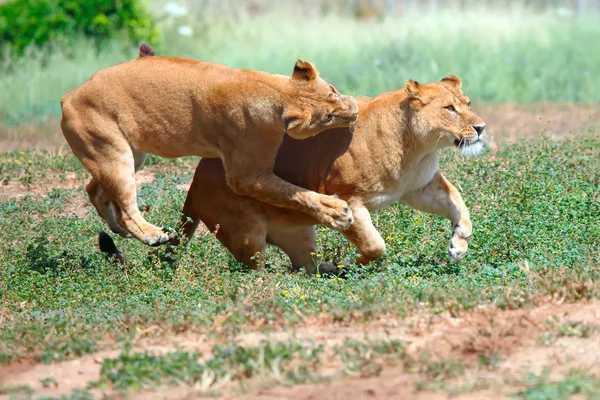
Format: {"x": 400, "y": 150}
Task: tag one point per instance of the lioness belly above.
{"x": 177, "y": 146}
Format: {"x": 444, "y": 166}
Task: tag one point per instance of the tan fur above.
{"x": 391, "y": 156}
{"x": 175, "y": 107}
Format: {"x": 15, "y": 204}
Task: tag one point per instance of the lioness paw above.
{"x": 157, "y": 237}
{"x": 458, "y": 249}
{"x": 336, "y": 213}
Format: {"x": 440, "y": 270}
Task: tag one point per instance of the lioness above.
{"x": 174, "y": 107}
{"x": 392, "y": 155}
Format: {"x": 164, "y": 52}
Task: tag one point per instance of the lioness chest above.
{"x": 414, "y": 177}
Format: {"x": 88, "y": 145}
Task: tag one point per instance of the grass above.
{"x": 501, "y": 55}
{"x": 535, "y": 208}
{"x": 555, "y": 329}
{"x": 542, "y": 387}
{"x": 288, "y": 362}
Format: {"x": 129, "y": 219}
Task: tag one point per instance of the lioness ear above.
{"x": 413, "y": 89}
{"x": 305, "y": 71}
{"x": 292, "y": 119}
{"x": 452, "y": 81}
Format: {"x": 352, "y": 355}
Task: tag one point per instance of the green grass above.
{"x": 287, "y": 363}
{"x": 535, "y": 208}
{"x": 583, "y": 384}
{"x": 501, "y": 55}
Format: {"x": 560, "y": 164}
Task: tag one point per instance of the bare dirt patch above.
{"x": 44, "y": 135}
{"x": 510, "y": 122}
{"x": 506, "y": 122}
{"x": 515, "y": 342}
{"x": 55, "y": 179}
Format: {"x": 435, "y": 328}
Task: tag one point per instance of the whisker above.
{"x": 438, "y": 139}
{"x": 353, "y": 126}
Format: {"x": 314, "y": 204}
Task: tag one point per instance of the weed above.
{"x": 542, "y": 387}
{"x": 556, "y": 328}
{"x": 16, "y": 390}
{"x": 288, "y": 362}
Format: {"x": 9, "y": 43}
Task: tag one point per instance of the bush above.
{"x": 39, "y": 22}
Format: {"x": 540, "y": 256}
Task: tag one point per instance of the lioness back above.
{"x": 153, "y": 99}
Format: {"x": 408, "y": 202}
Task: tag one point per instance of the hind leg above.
{"x": 364, "y": 236}
{"x": 138, "y": 161}
{"x": 298, "y": 243}
{"x": 240, "y": 222}
{"x": 119, "y": 182}
{"x": 113, "y": 169}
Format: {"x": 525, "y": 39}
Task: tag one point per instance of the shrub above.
{"x": 39, "y": 22}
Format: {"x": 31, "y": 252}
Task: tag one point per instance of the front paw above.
{"x": 458, "y": 249}
{"x": 157, "y": 236}
{"x": 460, "y": 242}
{"x": 335, "y": 213}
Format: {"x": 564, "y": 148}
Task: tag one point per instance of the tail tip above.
{"x": 107, "y": 245}
{"x": 146, "y": 50}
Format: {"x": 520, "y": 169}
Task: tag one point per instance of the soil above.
{"x": 505, "y": 122}
{"x": 514, "y": 336}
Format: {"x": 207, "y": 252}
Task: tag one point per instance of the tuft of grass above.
{"x": 287, "y": 362}
{"x": 556, "y": 328}
{"x": 542, "y": 387}
{"x": 14, "y": 391}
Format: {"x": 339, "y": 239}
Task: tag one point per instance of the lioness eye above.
{"x": 329, "y": 118}
{"x": 451, "y": 109}
{"x": 469, "y": 105}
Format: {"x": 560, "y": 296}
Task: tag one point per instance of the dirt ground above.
{"x": 525, "y": 341}
{"x": 506, "y": 122}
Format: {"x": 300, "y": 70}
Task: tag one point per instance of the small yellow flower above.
{"x": 318, "y": 275}
{"x": 388, "y": 238}
{"x": 286, "y": 292}
{"x": 28, "y": 161}
{"x": 393, "y": 281}
{"x": 21, "y": 153}
{"x": 497, "y": 279}
{"x": 74, "y": 301}
{"x": 319, "y": 255}
{"x": 340, "y": 279}
{"x": 340, "y": 266}
{"x": 16, "y": 161}
{"x": 302, "y": 297}
{"x": 312, "y": 253}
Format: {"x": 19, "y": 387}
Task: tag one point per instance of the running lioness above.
{"x": 175, "y": 107}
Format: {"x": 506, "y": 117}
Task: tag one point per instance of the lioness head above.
{"x": 442, "y": 115}
{"x": 317, "y": 105}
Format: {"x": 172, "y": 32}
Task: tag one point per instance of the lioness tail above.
{"x": 146, "y": 51}
{"x": 107, "y": 245}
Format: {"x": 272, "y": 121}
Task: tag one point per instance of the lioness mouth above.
{"x": 469, "y": 149}
{"x": 463, "y": 143}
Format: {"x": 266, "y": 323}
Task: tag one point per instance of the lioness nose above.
{"x": 479, "y": 129}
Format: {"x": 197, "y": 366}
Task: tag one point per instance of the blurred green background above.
{"x": 520, "y": 51}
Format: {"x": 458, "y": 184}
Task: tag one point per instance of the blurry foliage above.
{"x": 39, "y": 22}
